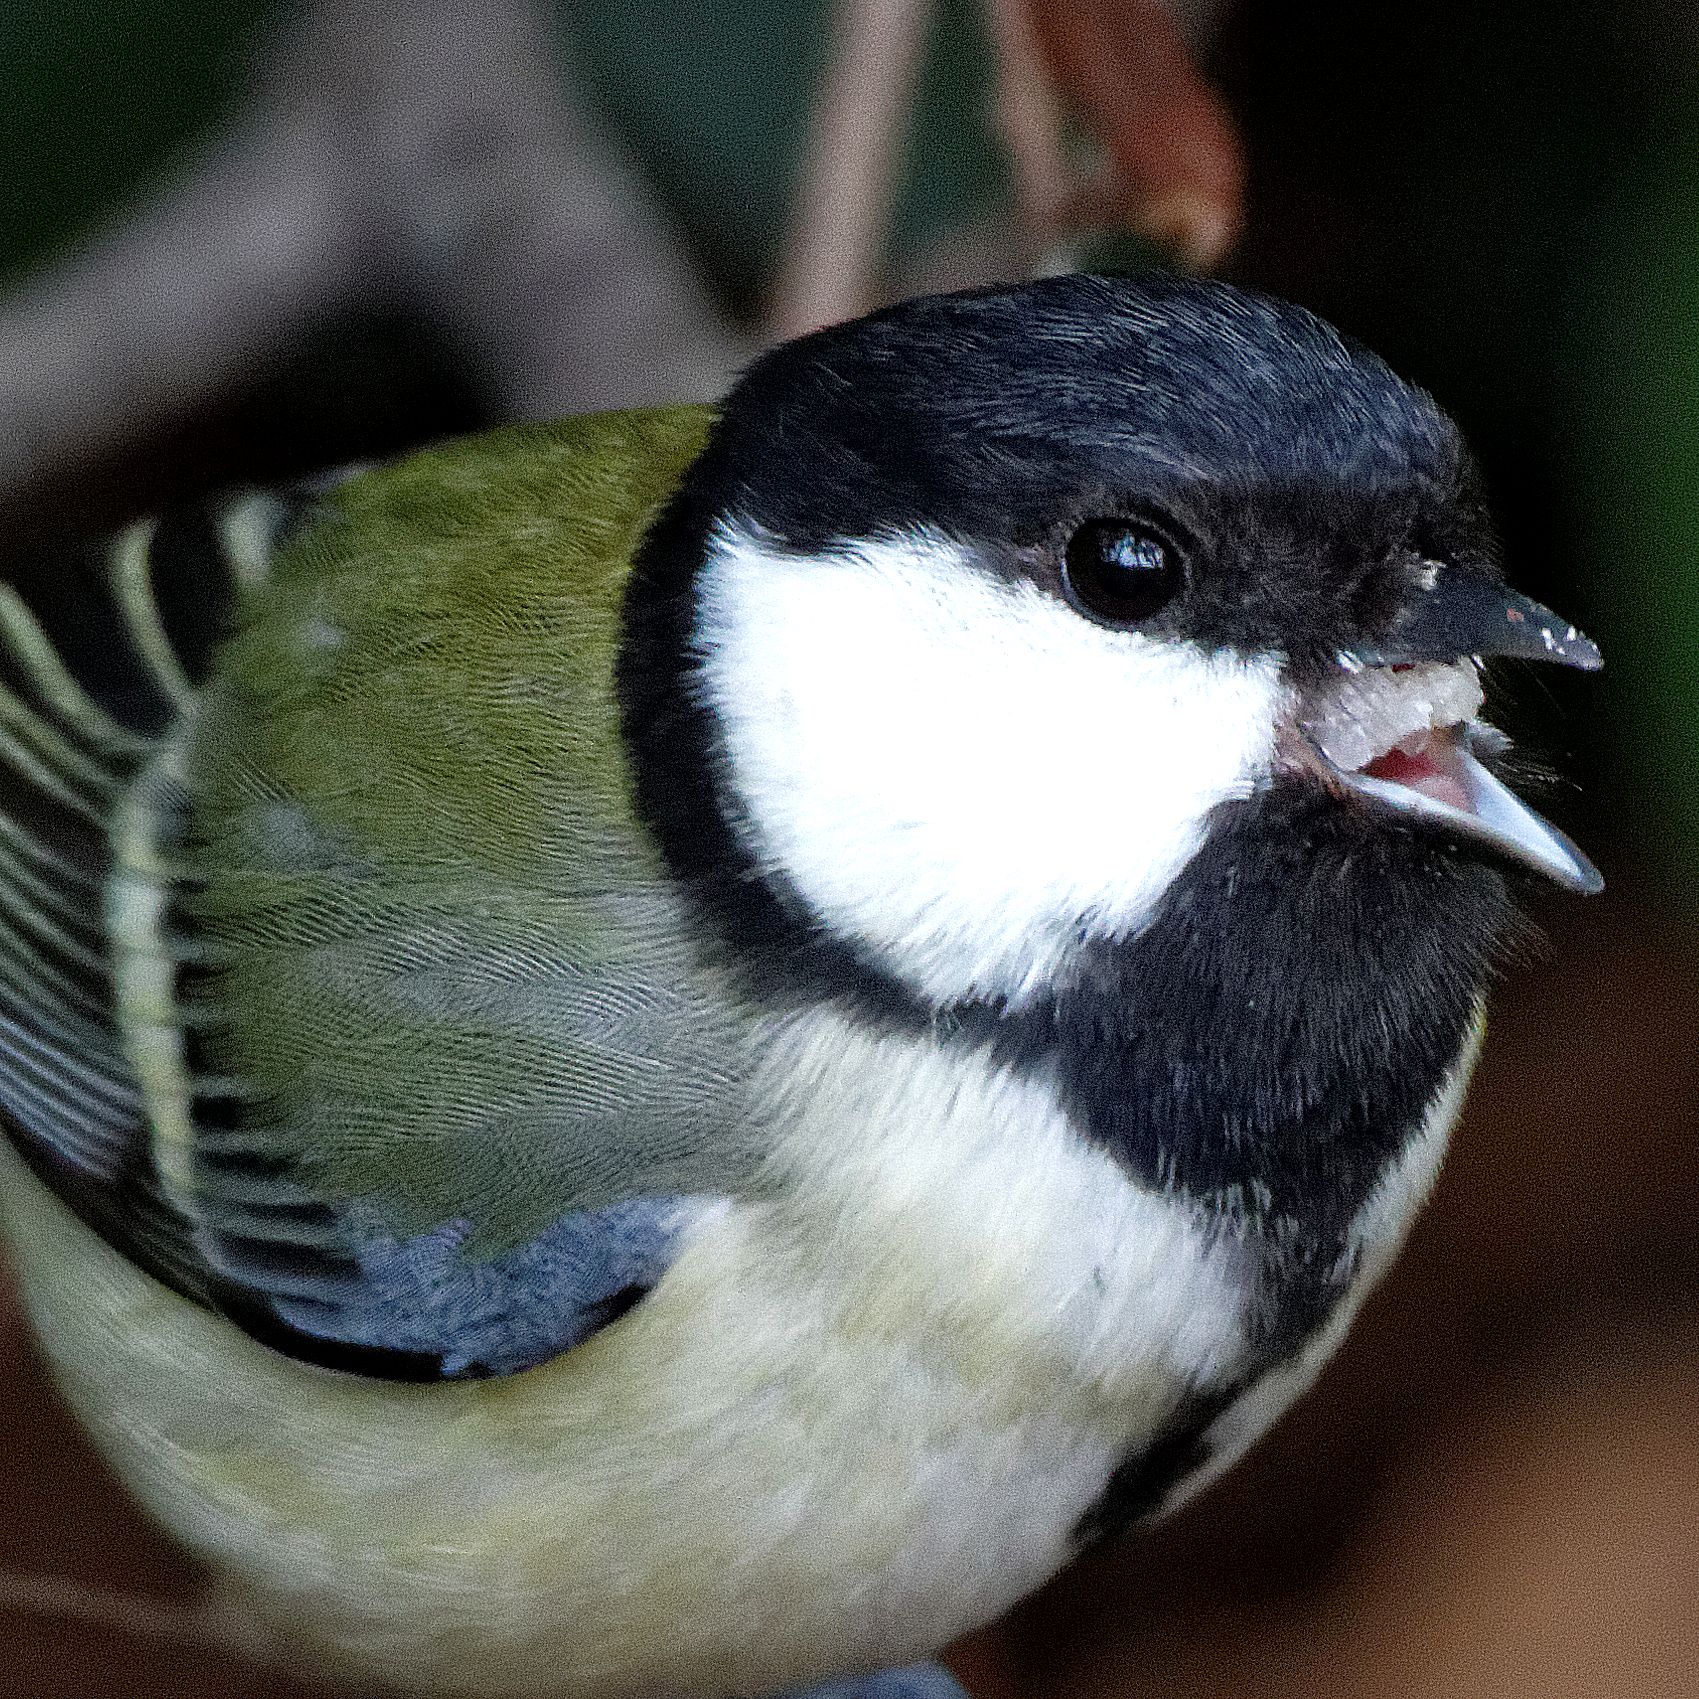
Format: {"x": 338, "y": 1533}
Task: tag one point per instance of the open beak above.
{"x": 1396, "y": 726}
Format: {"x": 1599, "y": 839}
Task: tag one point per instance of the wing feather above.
{"x": 283, "y": 1013}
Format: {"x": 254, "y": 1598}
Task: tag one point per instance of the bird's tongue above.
{"x": 1403, "y": 736}
{"x": 1434, "y": 774}
{"x": 1428, "y": 764}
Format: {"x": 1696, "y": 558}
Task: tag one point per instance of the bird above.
{"x": 671, "y": 1055}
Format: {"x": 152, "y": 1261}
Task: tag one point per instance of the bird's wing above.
{"x": 342, "y": 990}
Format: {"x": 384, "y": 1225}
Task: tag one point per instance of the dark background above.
{"x": 1496, "y": 1488}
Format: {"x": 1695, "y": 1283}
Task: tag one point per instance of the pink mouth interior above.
{"x": 1428, "y": 765}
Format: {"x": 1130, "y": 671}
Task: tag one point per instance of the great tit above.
{"x": 671, "y": 1054}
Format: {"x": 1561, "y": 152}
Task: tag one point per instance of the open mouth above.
{"x": 1405, "y": 738}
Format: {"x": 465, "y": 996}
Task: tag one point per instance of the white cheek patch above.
{"x": 963, "y": 774}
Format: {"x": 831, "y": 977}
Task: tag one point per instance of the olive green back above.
{"x": 449, "y": 977}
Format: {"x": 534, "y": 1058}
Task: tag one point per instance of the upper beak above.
{"x": 1436, "y": 774}
{"x": 1465, "y": 612}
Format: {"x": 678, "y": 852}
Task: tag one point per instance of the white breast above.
{"x": 959, "y": 1191}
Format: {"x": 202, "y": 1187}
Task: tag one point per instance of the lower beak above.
{"x": 1446, "y": 783}
{"x": 1396, "y": 727}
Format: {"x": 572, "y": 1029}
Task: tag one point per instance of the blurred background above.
{"x": 242, "y": 241}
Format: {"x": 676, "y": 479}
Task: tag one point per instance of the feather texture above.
{"x": 349, "y": 996}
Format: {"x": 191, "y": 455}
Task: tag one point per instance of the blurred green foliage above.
{"x": 714, "y": 96}
{"x": 97, "y": 95}
{"x": 1635, "y": 378}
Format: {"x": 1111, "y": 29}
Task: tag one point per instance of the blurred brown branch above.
{"x": 835, "y": 250}
{"x": 1031, "y": 123}
{"x": 1169, "y": 165}
{"x": 1174, "y": 169}
{"x": 430, "y": 155}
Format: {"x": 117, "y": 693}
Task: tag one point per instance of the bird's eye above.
{"x": 1120, "y": 573}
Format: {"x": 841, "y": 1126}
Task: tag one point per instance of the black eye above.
{"x": 1120, "y": 573}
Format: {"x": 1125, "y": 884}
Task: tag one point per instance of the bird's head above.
{"x": 987, "y": 611}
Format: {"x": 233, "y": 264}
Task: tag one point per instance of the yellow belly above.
{"x": 853, "y": 1421}
{"x": 740, "y": 1486}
